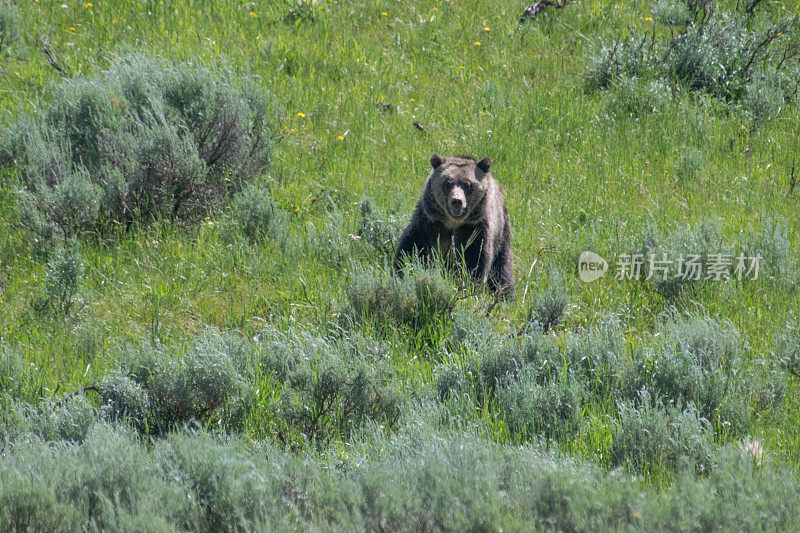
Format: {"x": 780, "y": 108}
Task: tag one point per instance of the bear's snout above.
{"x": 457, "y": 203}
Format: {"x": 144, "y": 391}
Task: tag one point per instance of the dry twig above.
{"x": 43, "y": 44}
{"x": 537, "y": 8}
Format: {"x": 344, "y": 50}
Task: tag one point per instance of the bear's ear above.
{"x": 484, "y": 164}
{"x": 436, "y": 161}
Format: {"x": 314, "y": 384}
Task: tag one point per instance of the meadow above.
{"x": 199, "y": 324}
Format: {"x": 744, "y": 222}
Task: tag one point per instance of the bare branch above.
{"x": 542, "y": 250}
{"x": 537, "y": 8}
{"x": 749, "y": 5}
{"x": 43, "y": 44}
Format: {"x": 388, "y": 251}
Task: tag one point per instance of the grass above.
{"x": 351, "y": 80}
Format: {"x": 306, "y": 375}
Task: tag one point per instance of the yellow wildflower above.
{"x": 252, "y": 14}
{"x": 301, "y": 115}
{"x": 384, "y": 14}
{"x": 88, "y": 4}
{"x": 486, "y": 28}
{"x": 649, "y": 19}
{"x": 340, "y": 138}
{"x": 477, "y": 43}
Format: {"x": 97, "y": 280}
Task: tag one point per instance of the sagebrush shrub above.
{"x": 421, "y": 476}
{"x": 12, "y": 368}
{"x": 334, "y": 395}
{"x": 143, "y": 139}
{"x": 63, "y": 277}
{"x": 478, "y": 378}
{"x": 492, "y": 361}
{"x": 378, "y": 229}
{"x": 649, "y": 433}
{"x": 622, "y": 58}
{"x": 69, "y": 418}
{"x": 279, "y": 351}
{"x": 202, "y": 383}
{"x": 549, "y": 305}
{"x": 763, "y": 99}
{"x": 684, "y": 246}
{"x": 30, "y": 505}
{"x": 672, "y": 13}
{"x": 162, "y": 169}
{"x": 258, "y": 216}
{"x": 596, "y": 354}
{"x": 631, "y": 97}
{"x": 420, "y": 298}
{"x": 472, "y": 331}
{"x": 329, "y": 386}
{"x": 75, "y": 202}
{"x": 766, "y": 386}
{"x": 770, "y": 241}
{"x": 714, "y": 344}
{"x": 497, "y": 366}
{"x": 787, "y": 347}
{"x": 124, "y": 398}
{"x": 219, "y": 482}
{"x": 436, "y": 296}
{"x": 700, "y": 363}
{"x": 695, "y": 65}
{"x": 19, "y": 380}
{"x": 539, "y": 352}
{"x": 595, "y": 357}
{"x": 678, "y": 376}
{"x": 384, "y": 298}
{"x": 702, "y": 48}
{"x": 553, "y": 410}
{"x": 457, "y": 379}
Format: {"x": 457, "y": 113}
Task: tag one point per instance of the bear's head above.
{"x": 459, "y": 185}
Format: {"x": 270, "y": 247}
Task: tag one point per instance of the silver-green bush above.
{"x": 698, "y": 47}
{"x": 649, "y": 433}
{"x": 202, "y": 383}
{"x": 553, "y": 410}
{"x": 143, "y": 139}
{"x": 258, "y": 217}
{"x": 549, "y": 305}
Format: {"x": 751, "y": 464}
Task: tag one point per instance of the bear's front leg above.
{"x": 415, "y": 241}
{"x": 501, "y": 276}
{"x": 477, "y": 251}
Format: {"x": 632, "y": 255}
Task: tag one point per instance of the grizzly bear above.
{"x": 462, "y": 215}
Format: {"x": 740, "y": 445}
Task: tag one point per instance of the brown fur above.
{"x": 462, "y": 212}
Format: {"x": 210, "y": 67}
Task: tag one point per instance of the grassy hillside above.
{"x": 254, "y": 342}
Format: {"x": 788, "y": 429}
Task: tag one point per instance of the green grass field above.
{"x": 279, "y": 394}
